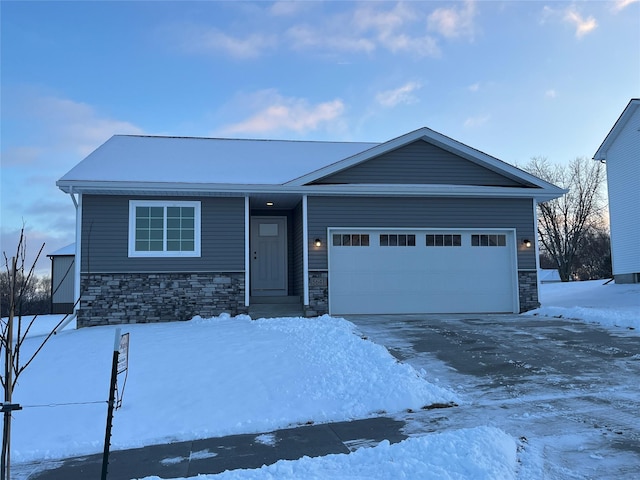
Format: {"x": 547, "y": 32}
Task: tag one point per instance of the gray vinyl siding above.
{"x": 62, "y": 276}
{"x": 419, "y": 163}
{"x": 396, "y": 212}
{"x": 105, "y": 230}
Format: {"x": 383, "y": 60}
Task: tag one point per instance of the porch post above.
{"x": 246, "y": 251}
{"x": 305, "y": 252}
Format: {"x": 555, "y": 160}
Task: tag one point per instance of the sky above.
{"x": 515, "y": 80}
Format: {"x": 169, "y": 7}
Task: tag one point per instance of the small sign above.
{"x": 123, "y": 353}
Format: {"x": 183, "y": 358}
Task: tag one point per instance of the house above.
{"x": 620, "y": 150}
{"x": 549, "y": 275}
{"x": 62, "y": 279}
{"x": 172, "y": 227}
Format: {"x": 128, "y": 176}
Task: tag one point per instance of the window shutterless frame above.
{"x": 159, "y": 228}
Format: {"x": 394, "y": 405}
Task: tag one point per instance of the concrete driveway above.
{"x": 569, "y": 391}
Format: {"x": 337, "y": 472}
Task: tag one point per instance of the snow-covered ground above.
{"x": 592, "y": 301}
{"x": 206, "y": 378}
{"x": 211, "y": 377}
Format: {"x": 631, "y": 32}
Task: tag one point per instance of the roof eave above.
{"x": 627, "y": 113}
{"x": 133, "y": 188}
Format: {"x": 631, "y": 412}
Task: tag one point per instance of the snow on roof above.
{"x": 68, "y": 250}
{"x": 208, "y": 160}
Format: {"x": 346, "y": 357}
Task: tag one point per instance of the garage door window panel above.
{"x": 350, "y": 239}
{"x": 397, "y": 240}
{"x": 484, "y": 240}
{"x": 443, "y": 240}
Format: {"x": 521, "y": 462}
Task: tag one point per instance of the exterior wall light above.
{"x": 269, "y": 204}
{"x": 527, "y": 243}
{"x": 317, "y": 242}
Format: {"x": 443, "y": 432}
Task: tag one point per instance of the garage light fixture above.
{"x": 317, "y": 242}
{"x": 526, "y": 242}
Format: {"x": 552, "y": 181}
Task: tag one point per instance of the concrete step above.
{"x": 277, "y": 299}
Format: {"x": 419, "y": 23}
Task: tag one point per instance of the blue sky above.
{"x": 513, "y": 79}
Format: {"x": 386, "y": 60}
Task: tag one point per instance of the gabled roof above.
{"x": 626, "y": 114}
{"x": 435, "y": 138}
{"x": 156, "y": 159}
{"x": 145, "y": 165}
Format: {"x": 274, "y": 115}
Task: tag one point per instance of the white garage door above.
{"x": 422, "y": 271}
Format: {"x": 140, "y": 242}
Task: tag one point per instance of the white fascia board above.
{"x": 435, "y": 138}
{"x": 624, "y": 117}
{"x": 135, "y": 188}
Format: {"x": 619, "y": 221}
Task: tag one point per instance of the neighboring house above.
{"x": 62, "y": 279}
{"x": 172, "y": 227}
{"x": 549, "y": 275}
{"x": 621, "y": 153}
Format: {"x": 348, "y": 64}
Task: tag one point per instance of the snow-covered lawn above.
{"x": 220, "y": 376}
{"x": 206, "y": 378}
{"x": 610, "y": 305}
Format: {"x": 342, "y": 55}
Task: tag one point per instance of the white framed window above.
{"x": 164, "y": 228}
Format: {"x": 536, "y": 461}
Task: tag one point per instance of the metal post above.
{"x": 111, "y": 402}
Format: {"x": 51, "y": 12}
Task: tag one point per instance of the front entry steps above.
{"x": 276, "y": 306}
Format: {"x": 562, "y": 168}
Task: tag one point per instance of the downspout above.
{"x": 305, "y": 253}
{"x": 76, "y": 259}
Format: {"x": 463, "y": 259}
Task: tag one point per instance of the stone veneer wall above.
{"x": 118, "y": 298}
{"x": 528, "y": 290}
{"x": 318, "y": 294}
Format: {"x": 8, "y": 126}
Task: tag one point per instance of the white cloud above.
{"x": 197, "y": 39}
{"x": 619, "y": 5}
{"x": 304, "y": 37}
{"x": 58, "y": 125}
{"x": 287, "y": 7}
{"x": 276, "y": 112}
{"x": 78, "y": 126}
{"x": 478, "y": 121}
{"x": 369, "y": 28}
{"x": 551, "y": 93}
{"x": 474, "y": 87}
{"x": 400, "y": 95}
{"x": 583, "y": 25}
{"x": 455, "y": 21}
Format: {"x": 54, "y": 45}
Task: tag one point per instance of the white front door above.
{"x": 268, "y": 256}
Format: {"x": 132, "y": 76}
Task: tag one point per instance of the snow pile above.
{"x": 206, "y": 378}
{"x": 611, "y": 305}
{"x": 477, "y": 453}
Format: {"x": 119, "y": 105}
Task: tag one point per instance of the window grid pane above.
{"x": 492, "y": 240}
{"x": 149, "y": 229}
{"x": 164, "y": 229}
{"x": 443, "y": 240}
{"x": 350, "y": 240}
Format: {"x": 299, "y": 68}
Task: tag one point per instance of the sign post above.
{"x": 111, "y": 403}
{"x": 123, "y": 367}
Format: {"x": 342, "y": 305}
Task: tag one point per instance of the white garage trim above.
{"x": 449, "y": 276}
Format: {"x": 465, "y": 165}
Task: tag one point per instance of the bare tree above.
{"x": 12, "y": 336}
{"x": 564, "y": 222}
